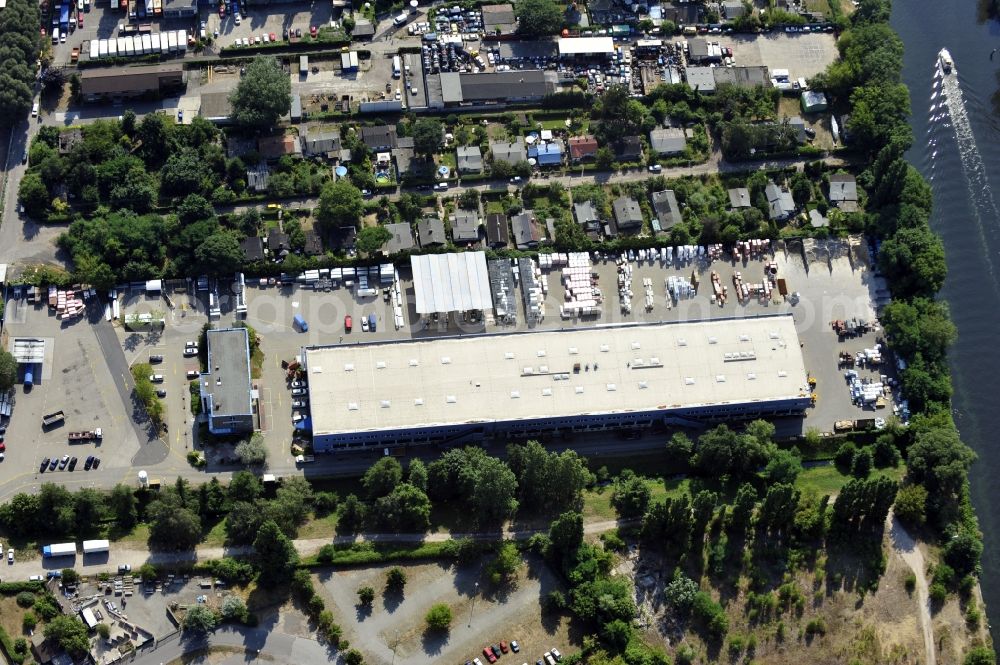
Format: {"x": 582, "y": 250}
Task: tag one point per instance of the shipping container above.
{"x": 95, "y": 49}
{"x": 59, "y": 549}
{"x": 182, "y": 40}
{"x": 121, "y": 47}
{"x": 155, "y": 37}
{"x": 300, "y": 323}
{"x": 147, "y": 44}
{"x": 172, "y": 40}
{"x": 130, "y": 45}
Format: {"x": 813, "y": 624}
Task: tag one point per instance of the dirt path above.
{"x": 907, "y": 548}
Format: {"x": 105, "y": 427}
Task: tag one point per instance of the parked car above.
{"x": 161, "y": 393}
{"x": 299, "y": 403}
{"x": 97, "y": 462}
{"x": 54, "y": 574}
{"x": 88, "y": 463}
{"x": 64, "y": 461}
{"x": 10, "y": 556}
{"x": 180, "y": 115}
{"x": 53, "y": 463}
{"x": 489, "y": 655}
{"x": 298, "y": 391}
{"x": 298, "y": 384}
{"x": 364, "y": 324}
{"x": 44, "y": 465}
{"x": 312, "y": 31}
{"x": 348, "y": 323}
{"x": 272, "y": 37}
{"x": 514, "y": 646}
{"x": 155, "y": 359}
{"x": 72, "y": 463}
{"x": 35, "y": 578}
{"x": 655, "y": 168}
{"x": 555, "y": 654}
{"x": 192, "y": 374}
{"x": 3, "y": 446}
{"x": 124, "y": 568}
{"x": 156, "y": 378}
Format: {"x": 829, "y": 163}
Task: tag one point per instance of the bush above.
{"x": 70, "y": 576}
{"x": 46, "y": 608}
{"x": 25, "y": 599}
{"x": 554, "y": 601}
{"x": 326, "y": 553}
{"x": 353, "y": 657}
{"x": 938, "y": 593}
{"x": 234, "y": 609}
{"x": 980, "y": 656}
{"x": 816, "y": 627}
{"x": 910, "y": 582}
{"x": 395, "y": 580}
{"x": 103, "y": 630}
{"x": 366, "y": 595}
{"x": 29, "y": 621}
{"x": 438, "y": 618}
{"x": 147, "y": 572}
{"x": 316, "y": 605}
{"x": 613, "y": 542}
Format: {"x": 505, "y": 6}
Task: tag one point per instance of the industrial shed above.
{"x": 444, "y": 283}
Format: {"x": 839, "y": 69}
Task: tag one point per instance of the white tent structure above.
{"x": 445, "y": 283}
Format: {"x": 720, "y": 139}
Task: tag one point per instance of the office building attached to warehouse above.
{"x": 463, "y": 389}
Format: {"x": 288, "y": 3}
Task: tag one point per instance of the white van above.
{"x": 401, "y": 19}
{"x": 55, "y": 35}
{"x": 34, "y": 110}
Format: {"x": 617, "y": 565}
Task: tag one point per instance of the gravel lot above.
{"x": 399, "y": 624}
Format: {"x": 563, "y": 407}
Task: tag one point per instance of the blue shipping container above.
{"x": 64, "y": 16}
{"x": 371, "y": 322}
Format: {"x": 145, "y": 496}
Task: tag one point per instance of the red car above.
{"x": 3, "y": 446}
{"x": 272, "y": 37}
{"x": 312, "y": 31}
{"x": 222, "y": 11}
{"x": 503, "y": 646}
{"x": 79, "y": 19}
{"x": 348, "y": 323}
{"x": 489, "y": 655}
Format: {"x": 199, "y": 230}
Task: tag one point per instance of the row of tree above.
{"x": 19, "y": 23}
{"x": 867, "y": 79}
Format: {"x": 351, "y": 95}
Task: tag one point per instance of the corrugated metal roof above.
{"x": 450, "y": 282}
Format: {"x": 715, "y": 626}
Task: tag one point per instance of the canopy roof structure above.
{"x": 445, "y": 283}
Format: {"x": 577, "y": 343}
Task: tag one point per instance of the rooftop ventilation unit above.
{"x": 636, "y": 346}
{"x": 782, "y": 373}
{"x": 751, "y": 376}
{"x": 713, "y": 340}
{"x": 604, "y": 348}
{"x": 352, "y": 406}
{"x": 744, "y": 338}
{"x": 612, "y": 387}
{"x": 508, "y": 356}
{"x": 573, "y": 351}
{"x": 348, "y": 367}
{"x": 414, "y": 362}
{"x": 546, "y": 392}
{"x": 579, "y": 390}
{"x": 451, "y": 399}
{"x": 385, "y": 404}
{"x": 688, "y": 381}
{"x": 643, "y": 385}
{"x": 419, "y": 401}
{"x": 515, "y": 394}
{"x": 380, "y": 364}
{"x": 681, "y": 341}
{"x": 720, "y": 378}
{"x": 540, "y": 353}
{"x": 445, "y": 360}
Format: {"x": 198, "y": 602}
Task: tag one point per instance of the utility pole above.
{"x": 473, "y": 606}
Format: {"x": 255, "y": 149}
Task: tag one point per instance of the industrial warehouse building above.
{"x": 461, "y": 389}
{"x": 226, "y": 390}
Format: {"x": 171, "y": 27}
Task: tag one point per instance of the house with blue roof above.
{"x": 549, "y": 153}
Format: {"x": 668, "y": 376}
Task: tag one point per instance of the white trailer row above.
{"x": 164, "y": 43}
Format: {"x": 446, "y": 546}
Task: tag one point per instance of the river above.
{"x": 957, "y": 147}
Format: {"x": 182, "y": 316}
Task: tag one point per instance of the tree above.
{"x": 980, "y": 656}
{"x": 243, "y": 521}
{"x": 566, "y": 534}
{"x": 428, "y": 135}
{"x": 503, "y": 568}
{"x": 8, "y": 370}
{"x": 783, "y": 467}
{"x": 276, "y": 555}
{"x": 69, "y": 633}
{"x": 340, "y": 204}
{"x": 172, "y": 526}
{"x": 263, "y": 94}
{"x": 911, "y": 505}
{"x": 631, "y": 494}
{"x": 438, "y": 618}
{"x": 538, "y": 17}
{"x": 371, "y": 239}
{"x": 862, "y": 463}
{"x": 382, "y": 477}
{"x": 353, "y": 657}
{"x": 366, "y": 595}
{"x": 219, "y": 254}
{"x": 352, "y": 514}
{"x": 395, "y": 580}
{"x": 962, "y": 553}
{"x": 233, "y": 608}
{"x": 939, "y": 461}
{"x": 405, "y": 508}
{"x": 245, "y": 486}
{"x": 551, "y": 482}
{"x": 184, "y": 172}
{"x": 913, "y": 261}
{"x": 33, "y": 194}
{"x": 122, "y": 504}
{"x": 147, "y": 572}
{"x": 460, "y": 474}
{"x": 252, "y": 451}
{"x": 200, "y": 619}
{"x": 417, "y": 475}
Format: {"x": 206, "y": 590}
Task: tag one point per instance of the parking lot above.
{"x": 80, "y": 382}
{"x": 803, "y": 54}
{"x": 393, "y": 630}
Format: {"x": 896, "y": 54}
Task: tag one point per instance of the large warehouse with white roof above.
{"x": 523, "y": 384}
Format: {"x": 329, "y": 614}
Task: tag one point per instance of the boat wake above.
{"x": 951, "y": 113}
